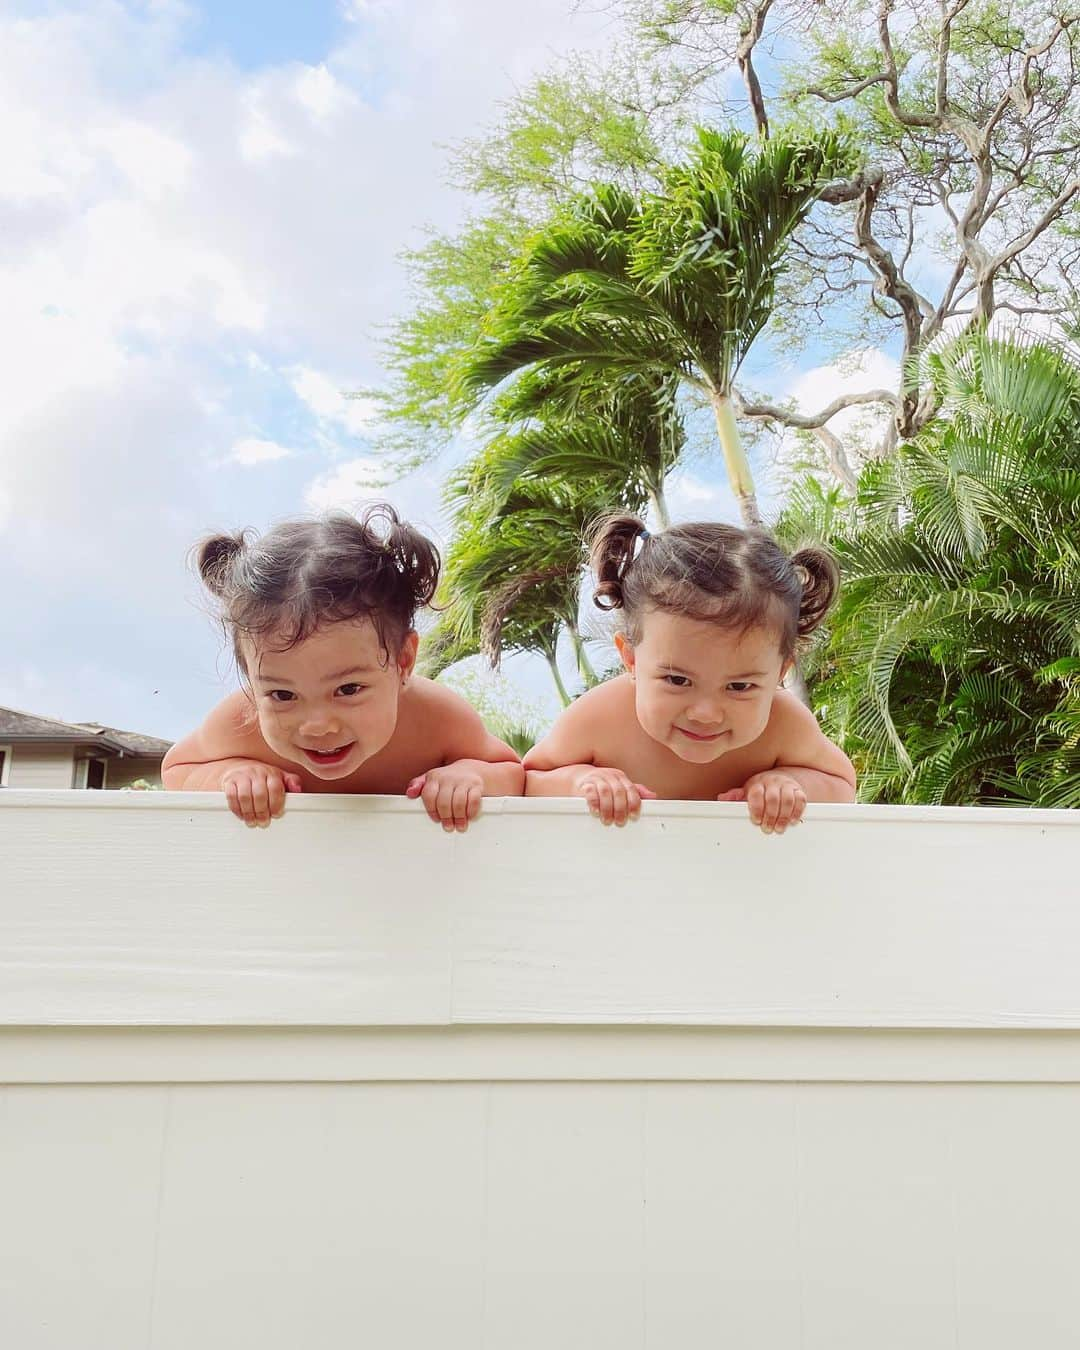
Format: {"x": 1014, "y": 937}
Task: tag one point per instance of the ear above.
{"x": 625, "y": 649}
{"x": 786, "y": 669}
{"x": 406, "y": 658}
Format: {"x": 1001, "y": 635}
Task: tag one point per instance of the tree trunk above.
{"x": 584, "y": 665}
{"x": 659, "y": 504}
{"x": 553, "y": 666}
{"x": 738, "y": 466}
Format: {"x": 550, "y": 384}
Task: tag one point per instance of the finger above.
{"x": 592, "y": 798}
{"x": 243, "y": 797}
{"x": 460, "y": 807}
{"x": 430, "y": 797}
{"x": 275, "y": 795}
{"x": 620, "y": 804}
{"x": 476, "y": 796}
{"x": 732, "y": 795}
{"x": 260, "y": 800}
{"x": 633, "y": 801}
{"x": 606, "y": 799}
{"x": 416, "y": 786}
{"x": 645, "y": 793}
{"x": 293, "y": 783}
{"x": 799, "y": 807}
{"x": 755, "y": 801}
{"x": 232, "y": 796}
{"x": 444, "y": 805}
{"x": 771, "y": 810}
{"x": 783, "y": 813}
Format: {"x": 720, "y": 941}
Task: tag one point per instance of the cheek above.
{"x": 652, "y": 709}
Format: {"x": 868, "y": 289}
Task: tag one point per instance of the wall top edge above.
{"x": 331, "y": 803}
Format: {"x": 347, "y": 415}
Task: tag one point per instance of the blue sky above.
{"x": 203, "y": 208}
{"x": 257, "y": 33}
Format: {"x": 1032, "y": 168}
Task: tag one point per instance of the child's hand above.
{"x": 612, "y": 796}
{"x": 776, "y": 800}
{"x": 451, "y": 795}
{"x": 256, "y": 792}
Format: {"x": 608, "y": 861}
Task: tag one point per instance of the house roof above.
{"x": 20, "y": 727}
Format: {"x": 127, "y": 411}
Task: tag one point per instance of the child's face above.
{"x": 331, "y": 702}
{"x": 701, "y": 690}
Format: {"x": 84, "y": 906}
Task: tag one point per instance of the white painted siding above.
{"x": 542, "y": 1085}
{"x": 41, "y": 766}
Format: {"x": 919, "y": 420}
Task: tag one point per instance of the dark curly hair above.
{"x": 303, "y": 574}
{"x": 735, "y": 578}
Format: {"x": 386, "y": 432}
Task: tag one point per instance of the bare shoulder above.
{"x": 230, "y": 731}
{"x": 790, "y": 716}
{"x": 796, "y": 738}
{"x": 583, "y": 732}
{"x": 448, "y": 723}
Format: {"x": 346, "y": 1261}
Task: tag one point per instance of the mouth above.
{"x": 328, "y": 756}
{"x": 695, "y": 736}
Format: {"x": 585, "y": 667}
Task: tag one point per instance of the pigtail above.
{"x": 612, "y": 549}
{"x": 413, "y": 556}
{"x": 214, "y": 559}
{"x": 820, "y": 576}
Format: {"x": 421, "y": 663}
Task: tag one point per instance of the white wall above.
{"x": 350, "y": 1081}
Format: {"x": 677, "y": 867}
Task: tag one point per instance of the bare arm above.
{"x": 556, "y": 765}
{"x": 229, "y": 739}
{"x": 505, "y": 778}
{"x": 823, "y": 787}
{"x": 806, "y": 754}
{"x": 563, "y": 763}
{"x": 473, "y": 763}
{"x": 562, "y": 782}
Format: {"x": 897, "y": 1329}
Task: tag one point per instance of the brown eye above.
{"x": 350, "y": 689}
{"x": 281, "y": 695}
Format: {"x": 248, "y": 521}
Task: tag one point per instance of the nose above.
{"x": 317, "y": 724}
{"x": 706, "y": 711}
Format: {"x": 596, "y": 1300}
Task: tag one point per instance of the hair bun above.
{"x": 819, "y": 574}
{"x": 612, "y": 548}
{"x": 412, "y": 555}
{"x": 214, "y": 559}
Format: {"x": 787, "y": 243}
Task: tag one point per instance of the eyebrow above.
{"x": 669, "y": 668}
{"x": 335, "y": 675}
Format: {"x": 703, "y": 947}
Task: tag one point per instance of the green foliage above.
{"x": 666, "y": 288}
{"x": 503, "y": 710}
{"x": 456, "y": 280}
{"x": 952, "y": 668}
{"x": 513, "y": 570}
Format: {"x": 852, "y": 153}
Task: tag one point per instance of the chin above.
{"x": 699, "y": 754}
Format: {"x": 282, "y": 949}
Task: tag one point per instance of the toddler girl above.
{"x": 711, "y": 618}
{"x": 321, "y": 619}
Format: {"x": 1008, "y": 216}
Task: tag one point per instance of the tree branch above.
{"x": 771, "y": 412}
{"x": 744, "y": 53}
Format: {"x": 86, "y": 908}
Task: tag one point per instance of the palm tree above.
{"x": 513, "y": 570}
{"x": 620, "y": 436}
{"x": 673, "y": 287}
{"x": 952, "y": 669}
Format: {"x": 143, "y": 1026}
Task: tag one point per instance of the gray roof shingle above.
{"x": 18, "y": 726}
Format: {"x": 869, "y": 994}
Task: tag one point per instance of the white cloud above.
{"x": 321, "y": 94}
{"x": 332, "y": 403}
{"x": 251, "y": 450}
{"x": 347, "y": 487}
{"x": 190, "y": 247}
{"x": 692, "y": 497}
{"x": 858, "y": 426}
